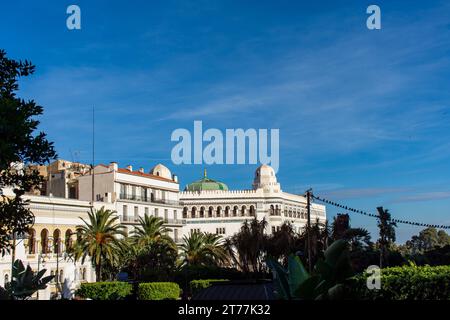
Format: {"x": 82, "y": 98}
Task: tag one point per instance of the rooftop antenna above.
{"x": 93, "y": 155}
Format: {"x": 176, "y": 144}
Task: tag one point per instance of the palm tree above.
{"x": 358, "y": 238}
{"x": 151, "y": 229}
{"x": 99, "y": 239}
{"x": 387, "y": 233}
{"x": 247, "y": 248}
{"x": 203, "y": 249}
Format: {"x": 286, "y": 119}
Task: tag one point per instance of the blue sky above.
{"x": 363, "y": 115}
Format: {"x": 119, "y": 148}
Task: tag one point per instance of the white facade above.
{"x": 224, "y": 211}
{"x": 135, "y": 193}
{"x": 45, "y": 246}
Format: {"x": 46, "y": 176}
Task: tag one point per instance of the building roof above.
{"x": 143, "y": 174}
{"x": 138, "y": 173}
{"x": 206, "y": 184}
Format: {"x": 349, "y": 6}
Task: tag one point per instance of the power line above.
{"x": 362, "y": 212}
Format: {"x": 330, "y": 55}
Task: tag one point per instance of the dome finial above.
{"x": 204, "y": 172}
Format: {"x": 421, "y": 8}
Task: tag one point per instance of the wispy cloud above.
{"x": 349, "y": 193}
{"x": 424, "y": 196}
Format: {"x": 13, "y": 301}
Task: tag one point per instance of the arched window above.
{"x": 61, "y": 276}
{"x": 6, "y": 279}
{"x": 271, "y": 210}
{"x": 252, "y": 211}
{"x": 79, "y": 235}
{"x": 277, "y": 211}
{"x": 210, "y": 212}
{"x": 32, "y": 241}
{"x": 243, "y": 211}
{"x": 218, "y": 211}
{"x": 44, "y": 241}
{"x": 235, "y": 211}
{"x": 227, "y": 211}
{"x": 57, "y": 241}
{"x": 185, "y": 211}
{"x": 52, "y": 273}
{"x": 83, "y": 275}
{"x": 193, "y": 212}
{"x": 68, "y": 239}
{"x": 202, "y": 212}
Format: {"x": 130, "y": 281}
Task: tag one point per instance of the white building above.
{"x": 209, "y": 206}
{"x": 45, "y": 246}
{"x": 136, "y": 193}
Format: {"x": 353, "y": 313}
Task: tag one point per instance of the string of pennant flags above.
{"x": 377, "y": 216}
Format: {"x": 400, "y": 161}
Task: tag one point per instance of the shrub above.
{"x": 158, "y": 291}
{"x": 197, "y": 285}
{"x": 105, "y": 290}
{"x": 407, "y": 283}
{"x": 188, "y": 273}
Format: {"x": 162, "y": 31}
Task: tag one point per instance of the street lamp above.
{"x": 42, "y": 257}
{"x": 16, "y": 236}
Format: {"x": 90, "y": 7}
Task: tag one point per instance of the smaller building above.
{"x": 134, "y": 193}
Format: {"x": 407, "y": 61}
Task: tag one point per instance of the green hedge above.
{"x": 105, "y": 290}
{"x": 197, "y": 285}
{"x": 159, "y": 291}
{"x": 407, "y": 283}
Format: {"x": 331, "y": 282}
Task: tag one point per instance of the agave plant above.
{"x": 325, "y": 282}
{"x": 25, "y": 282}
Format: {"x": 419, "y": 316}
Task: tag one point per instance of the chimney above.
{"x": 141, "y": 170}
{"x": 113, "y": 166}
{"x": 129, "y": 168}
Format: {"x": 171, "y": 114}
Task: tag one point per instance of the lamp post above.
{"x": 40, "y": 257}
{"x": 14, "y": 237}
{"x": 308, "y": 207}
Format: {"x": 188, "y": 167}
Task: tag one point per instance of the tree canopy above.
{"x": 20, "y": 145}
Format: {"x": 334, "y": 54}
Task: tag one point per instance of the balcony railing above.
{"x": 133, "y": 219}
{"x": 175, "y": 221}
{"x": 139, "y": 198}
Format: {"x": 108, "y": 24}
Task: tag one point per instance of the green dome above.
{"x": 206, "y": 184}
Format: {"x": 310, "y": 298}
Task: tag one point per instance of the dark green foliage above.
{"x": 154, "y": 261}
{"x": 197, "y": 285}
{"x": 247, "y": 248}
{"x": 24, "y": 282}
{"x": 159, "y": 291}
{"x": 406, "y": 283}
{"x": 114, "y": 290}
{"x": 188, "y": 273}
{"x": 387, "y": 234}
{"x": 427, "y": 239}
{"x": 19, "y": 143}
{"x": 327, "y": 280}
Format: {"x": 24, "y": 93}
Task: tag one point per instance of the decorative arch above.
{"x": 235, "y": 211}
{"x": 68, "y": 240}
{"x": 218, "y": 211}
{"x": 57, "y": 241}
{"x": 271, "y": 210}
{"x": 210, "y": 212}
{"x": 227, "y": 211}
{"x": 202, "y": 212}
{"x": 194, "y": 212}
{"x": 252, "y": 211}
{"x": 44, "y": 241}
{"x": 31, "y": 241}
{"x": 243, "y": 211}
{"x": 185, "y": 212}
